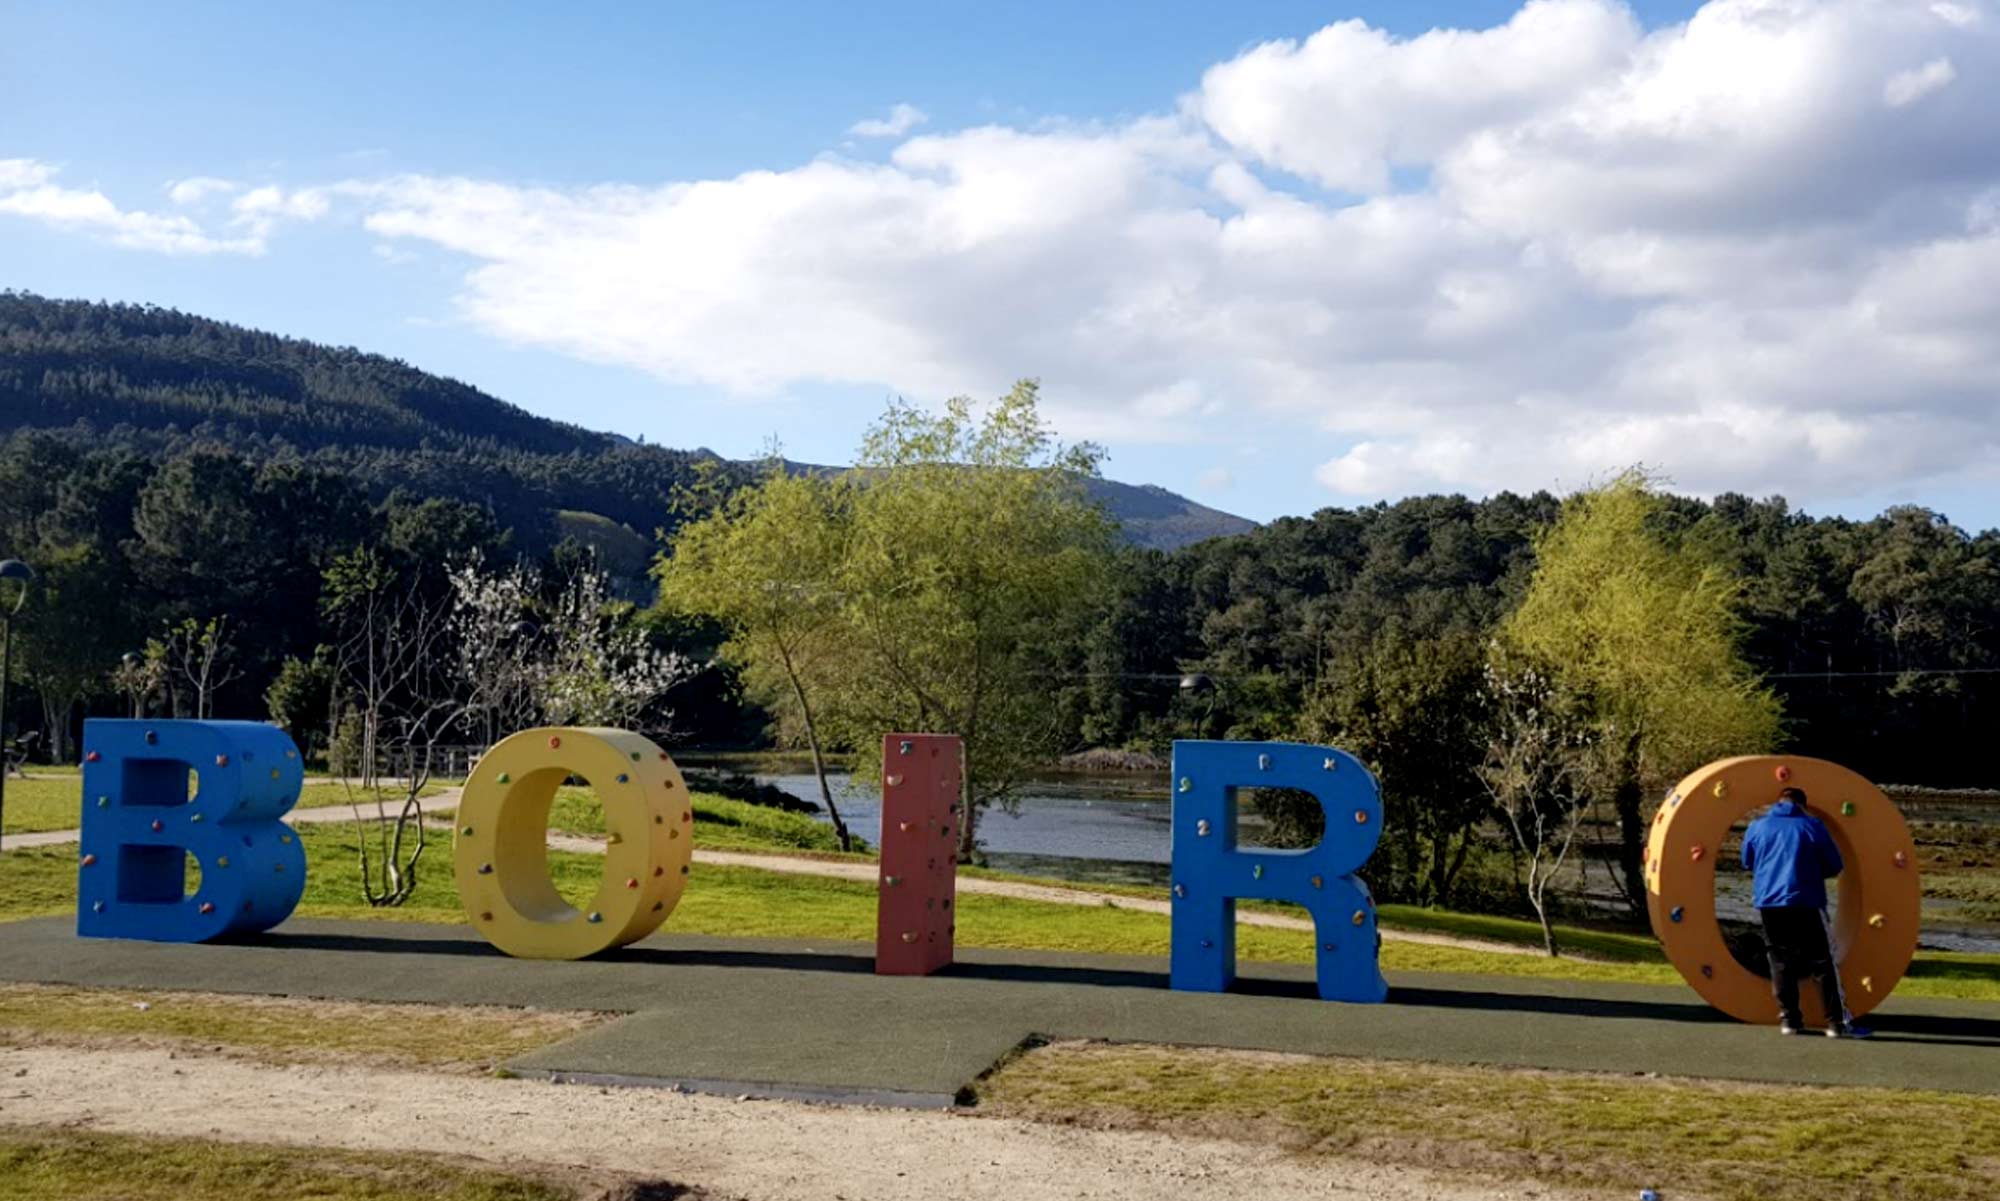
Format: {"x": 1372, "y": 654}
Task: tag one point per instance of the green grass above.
{"x": 39, "y": 1164}
{"x": 34, "y": 806}
{"x": 283, "y": 1029}
{"x": 1595, "y": 1132}
{"x": 719, "y": 823}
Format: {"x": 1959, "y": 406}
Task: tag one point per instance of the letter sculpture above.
{"x": 1210, "y": 873}
{"x": 1875, "y": 935}
{"x": 501, "y": 853}
{"x": 140, "y": 826}
{"x": 914, "y": 922}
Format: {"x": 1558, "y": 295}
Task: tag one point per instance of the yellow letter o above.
{"x": 1875, "y": 935}
{"x": 501, "y": 854}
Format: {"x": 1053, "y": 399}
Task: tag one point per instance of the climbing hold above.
{"x": 660, "y": 819}
{"x": 903, "y": 826}
{"x": 485, "y": 869}
{"x": 1263, "y": 763}
{"x": 1678, "y": 913}
{"x": 1180, "y": 890}
{"x": 1673, "y": 800}
{"x": 274, "y": 773}
{"x": 92, "y": 757}
{"x": 1329, "y": 764}
{"x": 1360, "y": 917}
{"x": 1205, "y": 944}
{"x": 635, "y": 756}
{"x": 905, "y": 747}
{"x": 1187, "y": 785}
{"x": 104, "y": 802}
{"x": 632, "y": 882}
{"x": 1696, "y": 851}
{"x": 659, "y": 905}
{"x": 152, "y": 737}
{"x": 1257, "y": 871}
{"x": 158, "y": 825}
{"x": 892, "y": 781}
{"x": 194, "y": 817}
{"x": 222, "y": 761}
{"x": 291, "y": 754}
{"x": 684, "y": 869}
{"x": 593, "y": 917}
{"x": 892, "y": 881}
{"x": 285, "y": 838}
{"x": 1721, "y": 789}
{"x": 1847, "y": 809}
{"x": 687, "y": 816}
{"x": 1707, "y": 972}
{"x": 555, "y": 740}
{"x": 1867, "y": 984}
{"x": 1201, "y": 828}
{"x": 623, "y": 778}
{"x": 1783, "y": 773}
{"x": 673, "y": 832}
{"x": 222, "y": 861}
{"x": 909, "y": 936}
{"x": 1329, "y": 947}
{"x": 613, "y": 838}
{"x": 658, "y": 872}
{"x": 486, "y": 916}
{"x": 467, "y": 831}
{"x": 1877, "y": 920}
{"x": 1901, "y": 859}
{"x": 505, "y": 778}
{"x": 97, "y": 906}
{"x": 277, "y": 869}
{"x": 89, "y": 860}
{"x": 207, "y": 907}
{"x": 1317, "y": 882}
{"x": 1360, "y": 817}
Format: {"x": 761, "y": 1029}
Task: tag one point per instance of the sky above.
{"x": 1271, "y": 255}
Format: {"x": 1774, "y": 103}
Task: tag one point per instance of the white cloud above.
{"x": 27, "y": 190}
{"x": 193, "y": 191}
{"x": 1518, "y": 257}
{"x": 901, "y": 119}
{"x": 1215, "y": 479}
{"x": 1908, "y": 87}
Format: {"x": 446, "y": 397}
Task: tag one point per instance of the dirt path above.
{"x": 757, "y": 1150}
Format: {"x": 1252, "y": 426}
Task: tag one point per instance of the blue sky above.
{"x": 432, "y": 165}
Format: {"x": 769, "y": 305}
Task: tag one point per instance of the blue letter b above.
{"x": 140, "y": 825}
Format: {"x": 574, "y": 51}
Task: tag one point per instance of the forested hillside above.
{"x": 159, "y": 468}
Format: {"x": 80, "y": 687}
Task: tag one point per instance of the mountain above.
{"x": 158, "y": 379}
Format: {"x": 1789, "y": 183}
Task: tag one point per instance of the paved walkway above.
{"x": 810, "y": 1019}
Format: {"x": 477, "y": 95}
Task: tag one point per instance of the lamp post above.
{"x": 21, "y": 575}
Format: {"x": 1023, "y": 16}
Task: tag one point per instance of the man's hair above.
{"x": 1795, "y": 795}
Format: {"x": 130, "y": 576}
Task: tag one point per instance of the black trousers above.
{"x": 1796, "y": 939}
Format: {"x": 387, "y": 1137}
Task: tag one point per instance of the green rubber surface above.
{"x": 772, "y": 1018}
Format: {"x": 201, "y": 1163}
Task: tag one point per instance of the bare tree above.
{"x": 601, "y": 669}
{"x": 1537, "y": 770}
{"x": 200, "y": 653}
{"x": 140, "y": 677}
{"x": 498, "y": 654}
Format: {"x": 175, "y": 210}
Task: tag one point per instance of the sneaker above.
{"x": 1788, "y": 1027}
{"x": 1848, "y": 1030}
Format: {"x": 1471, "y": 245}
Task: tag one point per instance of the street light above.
{"x": 21, "y": 575}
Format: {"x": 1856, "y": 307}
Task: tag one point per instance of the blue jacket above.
{"x": 1791, "y": 856}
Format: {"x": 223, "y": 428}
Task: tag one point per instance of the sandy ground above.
{"x": 447, "y": 800}
{"x": 755, "y": 1150}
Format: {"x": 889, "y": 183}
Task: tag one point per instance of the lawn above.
{"x": 747, "y": 902}
{"x": 1603, "y": 1134}
{"x": 284, "y": 1030}
{"x": 38, "y": 1164}
{"x": 36, "y": 805}
{"x": 720, "y": 823}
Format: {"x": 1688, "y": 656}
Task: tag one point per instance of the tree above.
{"x": 599, "y": 666}
{"x": 203, "y": 655}
{"x": 971, "y": 541}
{"x": 1646, "y": 626}
{"x": 1535, "y": 767}
{"x": 1414, "y": 711}
{"x": 765, "y": 562}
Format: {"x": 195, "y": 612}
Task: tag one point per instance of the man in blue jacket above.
{"x": 1791, "y": 855}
